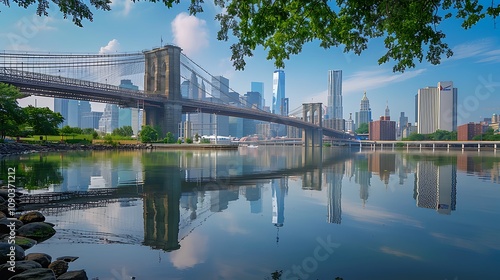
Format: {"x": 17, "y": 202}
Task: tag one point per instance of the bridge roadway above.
{"x": 32, "y": 83}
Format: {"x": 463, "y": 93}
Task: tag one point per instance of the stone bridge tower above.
{"x": 313, "y": 113}
{"x": 162, "y": 76}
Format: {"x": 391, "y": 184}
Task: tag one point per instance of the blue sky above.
{"x": 130, "y": 27}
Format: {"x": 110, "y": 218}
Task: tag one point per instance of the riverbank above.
{"x": 20, "y": 233}
{"x": 7, "y": 149}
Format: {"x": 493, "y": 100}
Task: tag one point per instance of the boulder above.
{"x": 41, "y": 258}
{"x": 2, "y": 215}
{"x": 6, "y": 221}
{"x": 38, "y": 231}
{"x": 67, "y": 258}
{"x": 5, "y": 249}
{"x": 74, "y": 275}
{"x": 36, "y": 273}
{"x": 31, "y": 217}
{"x": 20, "y": 266}
{"x": 59, "y": 267}
{"x": 24, "y": 242}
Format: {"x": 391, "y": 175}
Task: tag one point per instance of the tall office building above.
{"x": 185, "y": 89}
{"x": 61, "y": 107}
{"x": 91, "y": 120}
{"x": 193, "y": 87}
{"x": 437, "y": 108}
{"x": 403, "y": 122}
{"x": 71, "y": 110}
{"x": 109, "y": 119}
{"x": 129, "y": 116}
{"x": 258, "y": 87}
{"x": 278, "y": 91}
{"x": 202, "y": 93}
{"x": 73, "y": 113}
{"x": 220, "y": 88}
{"x": 365, "y": 113}
{"x": 334, "y": 108}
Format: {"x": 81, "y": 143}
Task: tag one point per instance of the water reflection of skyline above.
{"x": 183, "y": 189}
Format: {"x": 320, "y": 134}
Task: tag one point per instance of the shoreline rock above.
{"x": 33, "y": 265}
{"x": 7, "y": 149}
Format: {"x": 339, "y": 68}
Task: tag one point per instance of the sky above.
{"x": 132, "y": 27}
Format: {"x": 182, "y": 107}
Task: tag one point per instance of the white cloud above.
{"x": 369, "y": 80}
{"x": 190, "y": 33}
{"x": 471, "y": 49}
{"x": 112, "y": 46}
{"x": 123, "y": 6}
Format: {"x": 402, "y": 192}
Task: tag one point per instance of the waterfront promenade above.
{"x": 447, "y": 145}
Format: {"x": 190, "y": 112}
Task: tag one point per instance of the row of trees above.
{"x": 438, "y": 135}
{"x": 16, "y": 121}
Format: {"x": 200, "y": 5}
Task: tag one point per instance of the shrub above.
{"x": 189, "y": 140}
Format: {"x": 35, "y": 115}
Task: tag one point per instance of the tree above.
{"x": 125, "y": 131}
{"x": 410, "y": 29}
{"x": 68, "y": 130}
{"x": 169, "y": 138}
{"x": 148, "y": 134}
{"x": 11, "y": 115}
{"x": 88, "y": 131}
{"x": 362, "y": 129}
{"x": 43, "y": 120}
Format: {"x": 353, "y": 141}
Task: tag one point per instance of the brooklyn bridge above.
{"x": 80, "y": 77}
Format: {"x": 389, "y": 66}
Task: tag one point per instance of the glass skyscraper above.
{"x": 258, "y": 87}
{"x": 278, "y": 92}
{"x": 334, "y": 109}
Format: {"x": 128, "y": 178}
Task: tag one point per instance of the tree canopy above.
{"x": 362, "y": 129}
{"x": 148, "y": 134}
{"x": 410, "y": 29}
{"x": 43, "y": 120}
{"x": 11, "y": 115}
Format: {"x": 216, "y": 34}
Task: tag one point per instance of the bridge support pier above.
{"x": 312, "y": 112}
{"x": 164, "y": 119}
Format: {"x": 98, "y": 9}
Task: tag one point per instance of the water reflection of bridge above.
{"x": 182, "y": 189}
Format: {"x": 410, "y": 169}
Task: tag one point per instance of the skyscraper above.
{"x": 259, "y": 87}
{"x": 437, "y": 108}
{"x": 61, "y": 107}
{"x": 365, "y": 113}
{"x": 193, "y": 87}
{"x": 220, "y": 88}
{"x": 109, "y": 119}
{"x": 129, "y": 116}
{"x": 403, "y": 122}
{"x": 73, "y": 116}
{"x": 334, "y": 108}
{"x": 278, "y": 91}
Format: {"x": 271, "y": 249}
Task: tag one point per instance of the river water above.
{"x": 273, "y": 213}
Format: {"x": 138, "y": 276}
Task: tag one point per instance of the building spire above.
{"x": 387, "y": 112}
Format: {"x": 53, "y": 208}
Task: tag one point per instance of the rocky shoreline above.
{"x": 7, "y": 149}
{"x": 19, "y": 233}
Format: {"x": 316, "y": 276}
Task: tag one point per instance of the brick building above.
{"x": 383, "y": 129}
{"x": 469, "y": 130}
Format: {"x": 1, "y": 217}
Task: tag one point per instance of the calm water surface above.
{"x": 249, "y": 213}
